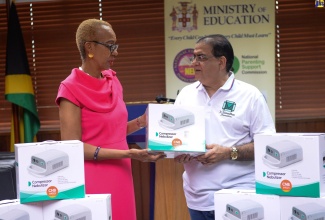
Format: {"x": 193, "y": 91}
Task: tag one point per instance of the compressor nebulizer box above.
{"x": 175, "y": 130}
{"x": 245, "y": 209}
{"x": 50, "y": 170}
{"x": 290, "y": 164}
{"x": 308, "y": 211}
{"x": 74, "y": 211}
{"x": 92, "y": 207}
{"x": 15, "y": 214}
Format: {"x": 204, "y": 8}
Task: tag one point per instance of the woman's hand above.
{"x": 142, "y": 120}
{"x": 145, "y": 156}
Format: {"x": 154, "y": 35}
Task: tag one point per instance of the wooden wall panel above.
{"x": 4, "y": 142}
{"x": 141, "y": 181}
{"x": 169, "y": 195}
{"x": 301, "y": 125}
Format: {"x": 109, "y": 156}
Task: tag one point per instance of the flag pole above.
{"x": 14, "y": 107}
{"x": 15, "y": 114}
{"x": 8, "y": 2}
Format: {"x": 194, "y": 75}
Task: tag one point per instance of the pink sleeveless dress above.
{"x": 104, "y": 123}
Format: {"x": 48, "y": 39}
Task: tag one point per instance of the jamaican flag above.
{"x": 18, "y": 82}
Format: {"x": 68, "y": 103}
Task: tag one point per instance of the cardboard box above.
{"x": 290, "y": 164}
{"x": 93, "y": 206}
{"x": 175, "y": 129}
{"x": 302, "y": 208}
{"x": 50, "y": 170}
{"x": 233, "y": 204}
{"x": 12, "y": 209}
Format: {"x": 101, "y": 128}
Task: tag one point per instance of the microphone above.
{"x": 160, "y": 99}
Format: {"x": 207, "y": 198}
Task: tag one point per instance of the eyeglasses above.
{"x": 200, "y": 58}
{"x": 111, "y": 47}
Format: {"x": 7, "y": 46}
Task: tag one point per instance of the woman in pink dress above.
{"x": 92, "y": 110}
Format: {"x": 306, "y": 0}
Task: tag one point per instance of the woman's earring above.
{"x": 90, "y": 55}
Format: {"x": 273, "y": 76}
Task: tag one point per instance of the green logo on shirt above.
{"x": 229, "y": 106}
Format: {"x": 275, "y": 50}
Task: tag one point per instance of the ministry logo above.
{"x": 184, "y": 17}
{"x": 319, "y": 3}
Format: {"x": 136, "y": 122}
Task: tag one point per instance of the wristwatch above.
{"x": 234, "y": 153}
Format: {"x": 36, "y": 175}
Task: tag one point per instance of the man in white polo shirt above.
{"x": 234, "y": 112}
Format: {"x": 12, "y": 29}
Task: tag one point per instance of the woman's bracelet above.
{"x": 138, "y": 122}
{"x": 96, "y": 153}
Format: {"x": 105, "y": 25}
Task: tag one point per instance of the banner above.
{"x": 18, "y": 82}
{"x": 249, "y": 25}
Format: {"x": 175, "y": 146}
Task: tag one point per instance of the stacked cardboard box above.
{"x": 51, "y": 184}
{"x": 95, "y": 206}
{"x": 290, "y": 172}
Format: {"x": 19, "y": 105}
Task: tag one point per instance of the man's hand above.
{"x": 184, "y": 158}
{"x": 215, "y": 153}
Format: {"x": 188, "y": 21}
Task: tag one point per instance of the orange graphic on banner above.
{"x": 286, "y": 186}
{"x": 52, "y": 191}
{"x": 176, "y": 142}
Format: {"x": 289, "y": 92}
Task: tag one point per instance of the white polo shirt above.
{"x": 233, "y": 115}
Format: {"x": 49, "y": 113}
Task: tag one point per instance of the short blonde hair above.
{"x": 87, "y": 31}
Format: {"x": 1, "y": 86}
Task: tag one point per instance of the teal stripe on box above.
{"x": 77, "y": 192}
{"x": 310, "y": 190}
{"x": 159, "y": 146}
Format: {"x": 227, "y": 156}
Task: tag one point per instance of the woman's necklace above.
{"x": 100, "y": 76}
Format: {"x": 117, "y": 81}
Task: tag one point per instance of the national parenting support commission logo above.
{"x": 182, "y": 66}
{"x": 185, "y": 71}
